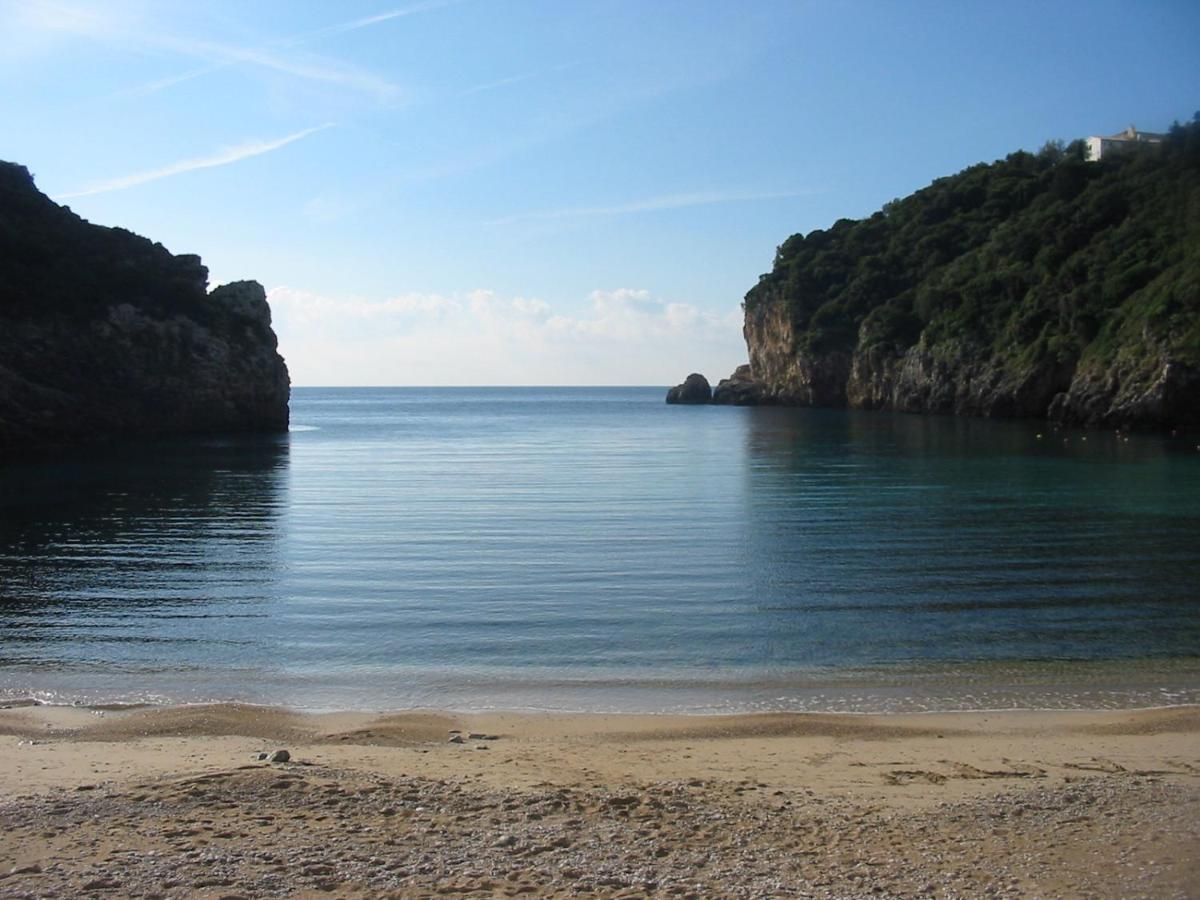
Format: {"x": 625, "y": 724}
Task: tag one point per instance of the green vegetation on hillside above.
{"x": 1037, "y": 258}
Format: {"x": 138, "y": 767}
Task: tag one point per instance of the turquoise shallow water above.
{"x": 596, "y": 549}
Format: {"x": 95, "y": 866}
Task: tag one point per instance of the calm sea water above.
{"x": 597, "y": 549}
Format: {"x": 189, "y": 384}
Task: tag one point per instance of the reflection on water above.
{"x": 892, "y": 538}
{"x": 596, "y": 549}
{"x": 141, "y": 558}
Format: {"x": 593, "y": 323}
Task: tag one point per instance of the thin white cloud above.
{"x": 498, "y": 83}
{"x": 280, "y": 55}
{"x": 61, "y": 17}
{"x": 368, "y": 21}
{"x": 514, "y": 79}
{"x": 222, "y": 158}
{"x": 161, "y": 84}
{"x": 266, "y": 56}
{"x": 652, "y": 204}
{"x": 220, "y": 55}
{"x": 305, "y": 66}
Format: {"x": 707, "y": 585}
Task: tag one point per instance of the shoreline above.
{"x": 533, "y": 712}
{"x": 1067, "y": 802}
{"x": 942, "y": 687}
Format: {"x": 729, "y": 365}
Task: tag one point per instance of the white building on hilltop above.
{"x": 1130, "y": 138}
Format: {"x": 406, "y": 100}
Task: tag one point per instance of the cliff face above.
{"x": 104, "y": 334}
{"x": 1150, "y": 389}
{"x": 1038, "y": 286}
{"x": 788, "y": 377}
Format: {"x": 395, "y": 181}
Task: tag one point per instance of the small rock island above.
{"x": 107, "y": 335}
{"x": 694, "y": 390}
{"x": 739, "y": 389}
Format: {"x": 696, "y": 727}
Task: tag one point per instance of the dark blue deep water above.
{"x": 596, "y": 549}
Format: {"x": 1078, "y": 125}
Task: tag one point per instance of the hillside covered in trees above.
{"x": 1038, "y": 285}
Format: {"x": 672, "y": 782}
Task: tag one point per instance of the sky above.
{"x": 527, "y": 192}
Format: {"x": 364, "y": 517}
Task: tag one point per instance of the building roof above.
{"x": 1132, "y": 134}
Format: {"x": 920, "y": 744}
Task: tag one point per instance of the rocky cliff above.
{"x": 105, "y": 334}
{"x": 1041, "y": 285}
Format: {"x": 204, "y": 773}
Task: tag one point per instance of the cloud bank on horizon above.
{"x": 383, "y": 159}
{"x": 480, "y": 338}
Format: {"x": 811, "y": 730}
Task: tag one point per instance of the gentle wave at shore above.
{"x": 955, "y": 688}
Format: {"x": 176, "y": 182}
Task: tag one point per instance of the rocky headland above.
{"x": 107, "y": 335}
{"x": 1042, "y": 285}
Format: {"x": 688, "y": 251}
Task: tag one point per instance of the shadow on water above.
{"x": 134, "y": 545}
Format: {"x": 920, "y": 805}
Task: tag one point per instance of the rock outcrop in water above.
{"x": 694, "y": 390}
{"x": 105, "y": 334}
{"x": 1042, "y": 285}
{"x": 739, "y": 389}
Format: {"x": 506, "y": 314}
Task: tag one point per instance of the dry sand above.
{"x": 175, "y": 802}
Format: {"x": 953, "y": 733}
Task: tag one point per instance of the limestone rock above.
{"x": 1149, "y": 390}
{"x": 695, "y": 389}
{"x": 739, "y": 389}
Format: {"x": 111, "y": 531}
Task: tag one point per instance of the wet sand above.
{"x": 176, "y": 802}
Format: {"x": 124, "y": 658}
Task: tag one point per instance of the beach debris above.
{"x": 32, "y": 869}
{"x": 505, "y": 841}
{"x": 480, "y": 736}
{"x": 279, "y": 756}
{"x": 626, "y": 802}
{"x": 101, "y": 884}
{"x": 456, "y": 739}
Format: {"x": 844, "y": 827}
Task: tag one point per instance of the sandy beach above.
{"x": 177, "y": 802}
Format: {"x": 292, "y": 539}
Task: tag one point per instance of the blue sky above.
{"x": 544, "y": 191}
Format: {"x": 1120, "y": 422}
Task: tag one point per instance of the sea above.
{"x": 596, "y": 550}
